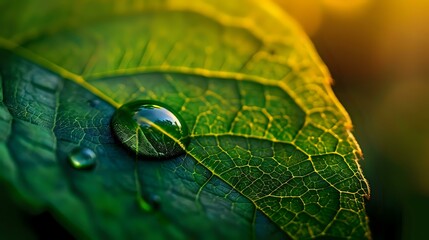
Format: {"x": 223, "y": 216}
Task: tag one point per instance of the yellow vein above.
{"x": 177, "y": 141}
{"x": 64, "y": 73}
{"x": 184, "y": 70}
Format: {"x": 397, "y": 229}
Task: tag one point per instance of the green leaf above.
{"x": 270, "y": 156}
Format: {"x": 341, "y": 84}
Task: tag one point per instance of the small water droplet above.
{"x": 82, "y": 158}
{"x": 149, "y": 204}
{"x": 94, "y": 102}
{"x": 150, "y": 129}
{"x": 155, "y": 201}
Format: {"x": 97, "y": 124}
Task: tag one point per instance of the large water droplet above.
{"x": 82, "y": 158}
{"x": 150, "y": 129}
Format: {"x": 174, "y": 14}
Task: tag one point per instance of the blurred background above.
{"x": 378, "y": 55}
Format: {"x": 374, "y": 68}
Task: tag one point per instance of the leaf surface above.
{"x": 271, "y": 153}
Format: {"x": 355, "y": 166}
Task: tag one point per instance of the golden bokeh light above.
{"x": 345, "y": 7}
{"x": 307, "y": 12}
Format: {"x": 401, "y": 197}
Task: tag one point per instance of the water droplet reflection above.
{"x": 82, "y": 158}
{"x": 150, "y": 129}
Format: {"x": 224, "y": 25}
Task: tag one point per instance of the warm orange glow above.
{"x": 307, "y": 12}
{"x": 345, "y": 7}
